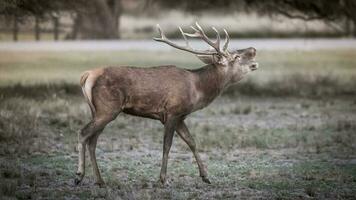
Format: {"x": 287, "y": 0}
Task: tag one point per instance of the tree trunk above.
{"x": 77, "y": 21}
{"x": 100, "y": 20}
{"x": 116, "y": 9}
{"x": 56, "y": 27}
{"x": 37, "y": 29}
{"x": 15, "y": 28}
{"x": 347, "y": 27}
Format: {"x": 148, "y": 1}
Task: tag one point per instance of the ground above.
{"x": 286, "y": 132}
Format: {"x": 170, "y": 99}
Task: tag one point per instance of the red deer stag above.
{"x": 164, "y": 93}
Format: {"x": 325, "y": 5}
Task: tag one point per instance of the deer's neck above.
{"x": 210, "y": 82}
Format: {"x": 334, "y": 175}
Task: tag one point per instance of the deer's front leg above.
{"x": 169, "y": 128}
{"x": 183, "y": 132}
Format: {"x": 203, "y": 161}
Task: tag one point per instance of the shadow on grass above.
{"x": 41, "y": 91}
{"x": 296, "y": 85}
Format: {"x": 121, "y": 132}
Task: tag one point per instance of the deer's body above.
{"x": 158, "y": 92}
{"x": 164, "y": 93}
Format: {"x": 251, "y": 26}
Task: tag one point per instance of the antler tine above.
{"x": 199, "y": 33}
{"x": 187, "y": 48}
{"x": 202, "y": 35}
{"x": 185, "y": 38}
{"x": 160, "y": 33}
{"x": 196, "y": 30}
{"x": 227, "y": 40}
{"x": 217, "y": 42}
{"x": 194, "y": 35}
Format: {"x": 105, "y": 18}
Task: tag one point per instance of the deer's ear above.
{"x": 221, "y": 60}
{"x": 207, "y": 59}
{"x": 210, "y": 59}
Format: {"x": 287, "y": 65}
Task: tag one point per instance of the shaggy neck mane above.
{"x": 210, "y": 80}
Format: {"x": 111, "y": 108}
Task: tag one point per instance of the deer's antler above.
{"x": 199, "y": 33}
{"x": 227, "y": 40}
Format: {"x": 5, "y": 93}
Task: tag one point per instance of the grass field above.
{"x": 286, "y": 132}
{"x": 54, "y": 67}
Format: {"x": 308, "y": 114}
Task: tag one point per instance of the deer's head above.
{"x": 234, "y": 64}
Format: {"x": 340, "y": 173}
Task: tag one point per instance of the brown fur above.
{"x": 164, "y": 93}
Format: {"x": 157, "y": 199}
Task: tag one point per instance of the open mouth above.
{"x": 254, "y": 66}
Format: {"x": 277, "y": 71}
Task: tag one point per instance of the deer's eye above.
{"x": 237, "y": 57}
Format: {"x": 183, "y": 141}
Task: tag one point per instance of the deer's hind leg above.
{"x": 105, "y": 113}
{"x": 81, "y": 152}
{"x": 88, "y": 136}
{"x": 91, "y": 144}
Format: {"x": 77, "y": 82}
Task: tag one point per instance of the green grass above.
{"x": 40, "y": 67}
{"x": 301, "y": 73}
{"x": 250, "y": 175}
{"x": 53, "y": 67}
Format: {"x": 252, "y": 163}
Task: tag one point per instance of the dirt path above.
{"x": 150, "y": 45}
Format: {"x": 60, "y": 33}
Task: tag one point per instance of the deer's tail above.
{"x": 87, "y": 82}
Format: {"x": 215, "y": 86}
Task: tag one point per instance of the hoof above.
{"x": 79, "y": 178}
{"x": 164, "y": 183}
{"x": 77, "y": 181}
{"x": 100, "y": 184}
{"x": 162, "y": 179}
{"x": 205, "y": 179}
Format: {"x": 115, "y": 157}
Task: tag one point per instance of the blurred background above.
{"x": 136, "y": 19}
{"x": 287, "y": 131}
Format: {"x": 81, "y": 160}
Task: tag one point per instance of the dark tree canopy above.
{"x": 327, "y": 10}
{"x": 307, "y": 9}
{"x": 37, "y": 7}
{"x": 200, "y": 5}
{"x": 95, "y": 19}
{"x": 331, "y": 10}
